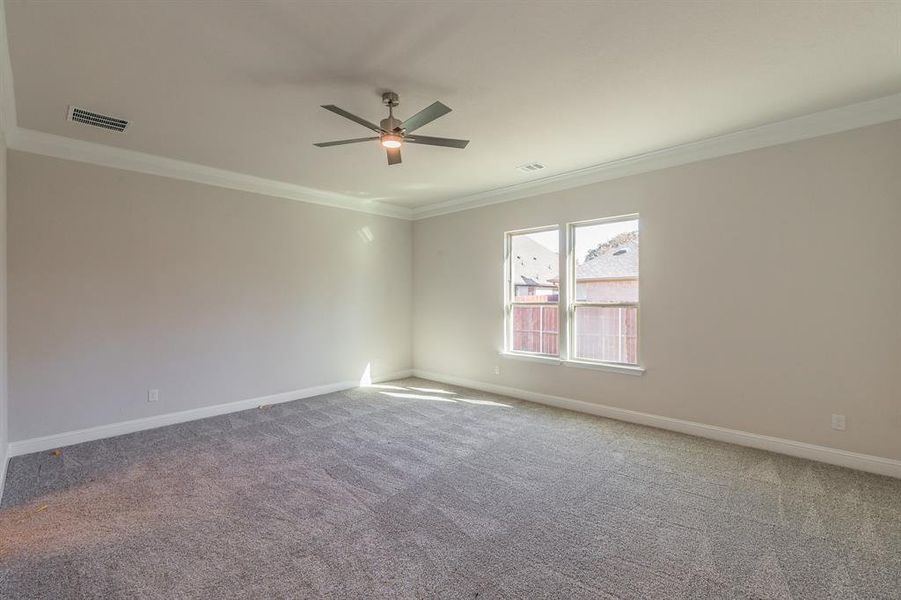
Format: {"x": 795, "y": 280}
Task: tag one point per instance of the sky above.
{"x": 587, "y": 237}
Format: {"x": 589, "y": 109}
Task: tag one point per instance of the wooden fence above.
{"x": 608, "y": 334}
{"x": 536, "y": 328}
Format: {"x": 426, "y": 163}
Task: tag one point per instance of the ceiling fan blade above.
{"x": 425, "y": 116}
{"x": 393, "y": 156}
{"x": 436, "y": 141}
{"x": 341, "y": 142}
{"x": 352, "y": 117}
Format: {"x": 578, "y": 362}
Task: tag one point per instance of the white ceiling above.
{"x": 237, "y": 85}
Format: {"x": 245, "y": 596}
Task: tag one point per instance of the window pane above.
{"x": 535, "y": 266}
{"x": 535, "y": 328}
{"x": 606, "y": 270}
{"x": 608, "y": 334}
{"x": 607, "y": 262}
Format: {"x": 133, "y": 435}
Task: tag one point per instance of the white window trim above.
{"x": 525, "y": 356}
{"x": 605, "y": 366}
{"x": 577, "y": 364}
{"x": 566, "y": 302}
{"x": 572, "y": 303}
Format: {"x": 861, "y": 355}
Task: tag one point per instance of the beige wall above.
{"x": 4, "y": 437}
{"x": 770, "y": 290}
{"x": 779, "y": 266}
{"x": 121, "y": 282}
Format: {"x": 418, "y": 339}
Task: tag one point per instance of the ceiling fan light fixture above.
{"x": 390, "y": 140}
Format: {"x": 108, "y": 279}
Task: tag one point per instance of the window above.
{"x": 604, "y": 298}
{"x": 599, "y": 291}
{"x": 533, "y": 291}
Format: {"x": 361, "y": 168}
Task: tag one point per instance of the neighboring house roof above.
{"x": 616, "y": 261}
{"x": 523, "y": 280}
{"x": 533, "y": 264}
{"x": 536, "y": 265}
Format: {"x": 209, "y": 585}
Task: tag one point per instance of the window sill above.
{"x": 547, "y": 360}
{"x": 578, "y": 364}
{"x": 609, "y": 367}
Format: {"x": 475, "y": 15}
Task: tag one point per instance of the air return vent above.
{"x": 86, "y": 117}
{"x": 530, "y": 167}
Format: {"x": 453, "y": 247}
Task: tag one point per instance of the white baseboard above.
{"x": 834, "y": 456}
{"x": 4, "y": 460}
{"x": 69, "y": 438}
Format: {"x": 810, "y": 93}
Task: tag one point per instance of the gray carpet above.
{"x": 373, "y": 494}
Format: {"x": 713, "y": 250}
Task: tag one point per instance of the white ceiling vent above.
{"x": 87, "y": 117}
{"x": 530, "y": 167}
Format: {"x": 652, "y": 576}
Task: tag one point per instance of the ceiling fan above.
{"x": 392, "y": 133}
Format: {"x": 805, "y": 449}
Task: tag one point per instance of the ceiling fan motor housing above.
{"x": 391, "y": 124}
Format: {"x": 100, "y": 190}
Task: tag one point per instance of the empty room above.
{"x": 480, "y": 300}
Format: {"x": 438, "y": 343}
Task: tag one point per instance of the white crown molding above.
{"x": 825, "y": 122}
{"x": 835, "y": 456}
{"x": 817, "y": 124}
{"x": 47, "y": 144}
{"x": 38, "y": 142}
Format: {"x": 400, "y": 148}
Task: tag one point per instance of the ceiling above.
{"x": 238, "y": 85}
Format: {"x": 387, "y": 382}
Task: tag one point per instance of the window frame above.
{"x": 509, "y": 296}
{"x": 572, "y": 303}
{"x": 566, "y": 301}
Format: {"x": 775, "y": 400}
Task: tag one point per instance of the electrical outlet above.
{"x": 838, "y": 422}
{"x": 153, "y": 395}
{"x": 497, "y": 369}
